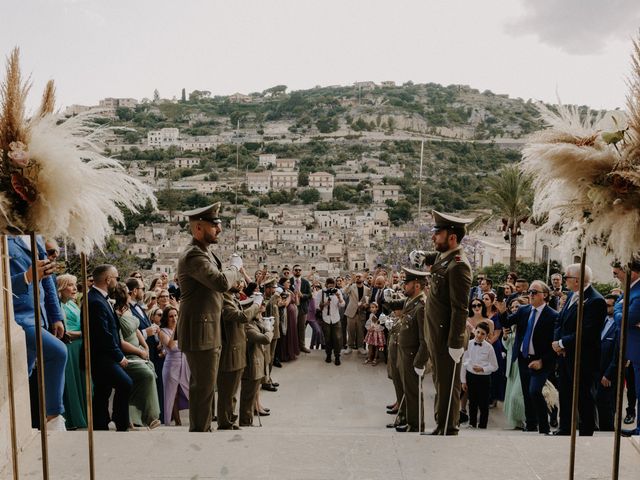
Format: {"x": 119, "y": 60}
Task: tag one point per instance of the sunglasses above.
{"x": 533, "y": 292}
{"x": 53, "y": 252}
{"x": 476, "y": 305}
{"x": 297, "y": 270}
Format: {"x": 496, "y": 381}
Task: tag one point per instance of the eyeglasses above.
{"x": 533, "y": 292}
{"x": 566, "y": 277}
{"x": 297, "y": 269}
{"x": 158, "y": 313}
{"x": 53, "y": 251}
{"x": 476, "y": 305}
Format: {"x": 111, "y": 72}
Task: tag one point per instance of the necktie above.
{"x": 528, "y": 334}
{"x": 479, "y": 344}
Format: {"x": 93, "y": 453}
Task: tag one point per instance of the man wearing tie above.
{"x": 595, "y": 311}
{"x": 606, "y": 386}
{"x": 534, "y": 334}
{"x": 107, "y": 360}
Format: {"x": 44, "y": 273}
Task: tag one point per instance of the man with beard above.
{"x": 302, "y": 288}
{"x": 357, "y": 294}
{"x": 446, "y": 317}
{"x": 411, "y": 349}
{"x": 202, "y": 283}
{"x": 107, "y": 360}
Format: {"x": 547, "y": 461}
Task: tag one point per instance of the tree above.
{"x": 327, "y": 124}
{"x": 309, "y": 196}
{"x": 183, "y": 97}
{"x": 509, "y": 196}
{"x": 156, "y": 96}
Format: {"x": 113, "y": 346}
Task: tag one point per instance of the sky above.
{"x": 577, "y": 51}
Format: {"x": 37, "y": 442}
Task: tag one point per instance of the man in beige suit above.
{"x": 202, "y": 283}
{"x": 358, "y": 298}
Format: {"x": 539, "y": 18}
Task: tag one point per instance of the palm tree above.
{"x": 509, "y": 196}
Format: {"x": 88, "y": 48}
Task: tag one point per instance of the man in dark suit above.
{"x": 606, "y": 386}
{"x": 536, "y": 360}
{"x": 302, "y": 288}
{"x": 595, "y": 311}
{"x": 107, "y": 360}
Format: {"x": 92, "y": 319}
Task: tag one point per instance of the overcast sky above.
{"x": 578, "y": 50}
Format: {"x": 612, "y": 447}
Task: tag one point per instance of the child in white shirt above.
{"x": 478, "y": 362}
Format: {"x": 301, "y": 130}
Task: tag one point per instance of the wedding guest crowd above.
{"x": 519, "y": 349}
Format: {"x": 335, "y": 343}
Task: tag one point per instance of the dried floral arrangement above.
{"x": 53, "y": 181}
{"x": 586, "y": 172}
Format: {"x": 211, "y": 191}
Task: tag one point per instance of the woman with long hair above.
{"x": 290, "y": 345}
{"x": 175, "y": 372}
{"x": 498, "y": 379}
{"x": 74, "y": 386}
{"x": 144, "y": 407}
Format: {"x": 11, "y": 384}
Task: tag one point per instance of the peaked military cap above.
{"x": 445, "y": 221}
{"x": 411, "y": 274}
{"x": 208, "y": 214}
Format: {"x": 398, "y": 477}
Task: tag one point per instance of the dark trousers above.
{"x": 332, "y": 338}
{"x": 631, "y": 390}
{"x": 107, "y": 377}
{"x": 204, "y": 371}
{"x": 444, "y": 369}
{"x": 606, "y": 403}
{"x": 478, "y": 387}
{"x": 535, "y": 406}
{"x": 586, "y": 397}
{"x": 343, "y": 329}
{"x": 302, "y": 325}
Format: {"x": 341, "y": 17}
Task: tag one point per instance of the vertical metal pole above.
{"x": 6, "y": 297}
{"x": 420, "y": 181}
{"x": 576, "y": 366}
{"x": 35, "y": 282}
{"x": 87, "y": 363}
{"x": 615, "y": 471}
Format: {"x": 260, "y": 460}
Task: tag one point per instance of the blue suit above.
{"x": 595, "y": 312}
{"x": 531, "y": 380}
{"x": 605, "y": 396}
{"x": 633, "y": 334}
{"x": 106, "y": 371}
{"x": 54, "y": 351}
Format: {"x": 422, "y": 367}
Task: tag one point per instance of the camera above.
{"x": 284, "y": 294}
{"x": 330, "y": 291}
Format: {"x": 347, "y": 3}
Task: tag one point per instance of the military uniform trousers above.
{"x": 394, "y": 373}
{"x": 410, "y": 385}
{"x": 355, "y": 330}
{"x": 248, "y": 393}
{"x": 272, "y": 357}
{"x": 302, "y": 326}
{"x": 204, "y": 370}
{"x": 228, "y": 384}
{"x": 332, "y": 333}
{"x": 443, "y": 370}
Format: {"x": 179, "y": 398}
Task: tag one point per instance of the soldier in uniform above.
{"x": 258, "y": 340}
{"x": 446, "y": 316}
{"x": 202, "y": 283}
{"x": 233, "y": 357}
{"x": 394, "y": 374}
{"x": 411, "y": 349}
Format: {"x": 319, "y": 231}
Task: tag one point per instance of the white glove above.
{"x": 257, "y": 299}
{"x": 417, "y": 258}
{"x": 456, "y": 354}
{"x": 236, "y": 261}
{"x": 419, "y": 371}
{"x": 388, "y": 294}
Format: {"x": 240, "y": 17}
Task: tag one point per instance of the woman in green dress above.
{"x": 75, "y": 412}
{"x": 144, "y": 408}
{"x": 513, "y": 398}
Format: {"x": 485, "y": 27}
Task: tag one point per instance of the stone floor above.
{"x": 328, "y": 422}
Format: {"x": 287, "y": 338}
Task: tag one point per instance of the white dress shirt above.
{"x": 482, "y": 355}
{"x": 331, "y": 311}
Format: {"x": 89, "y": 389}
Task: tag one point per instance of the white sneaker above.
{"x": 346, "y": 351}
{"x": 57, "y": 424}
{"x": 362, "y": 351}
